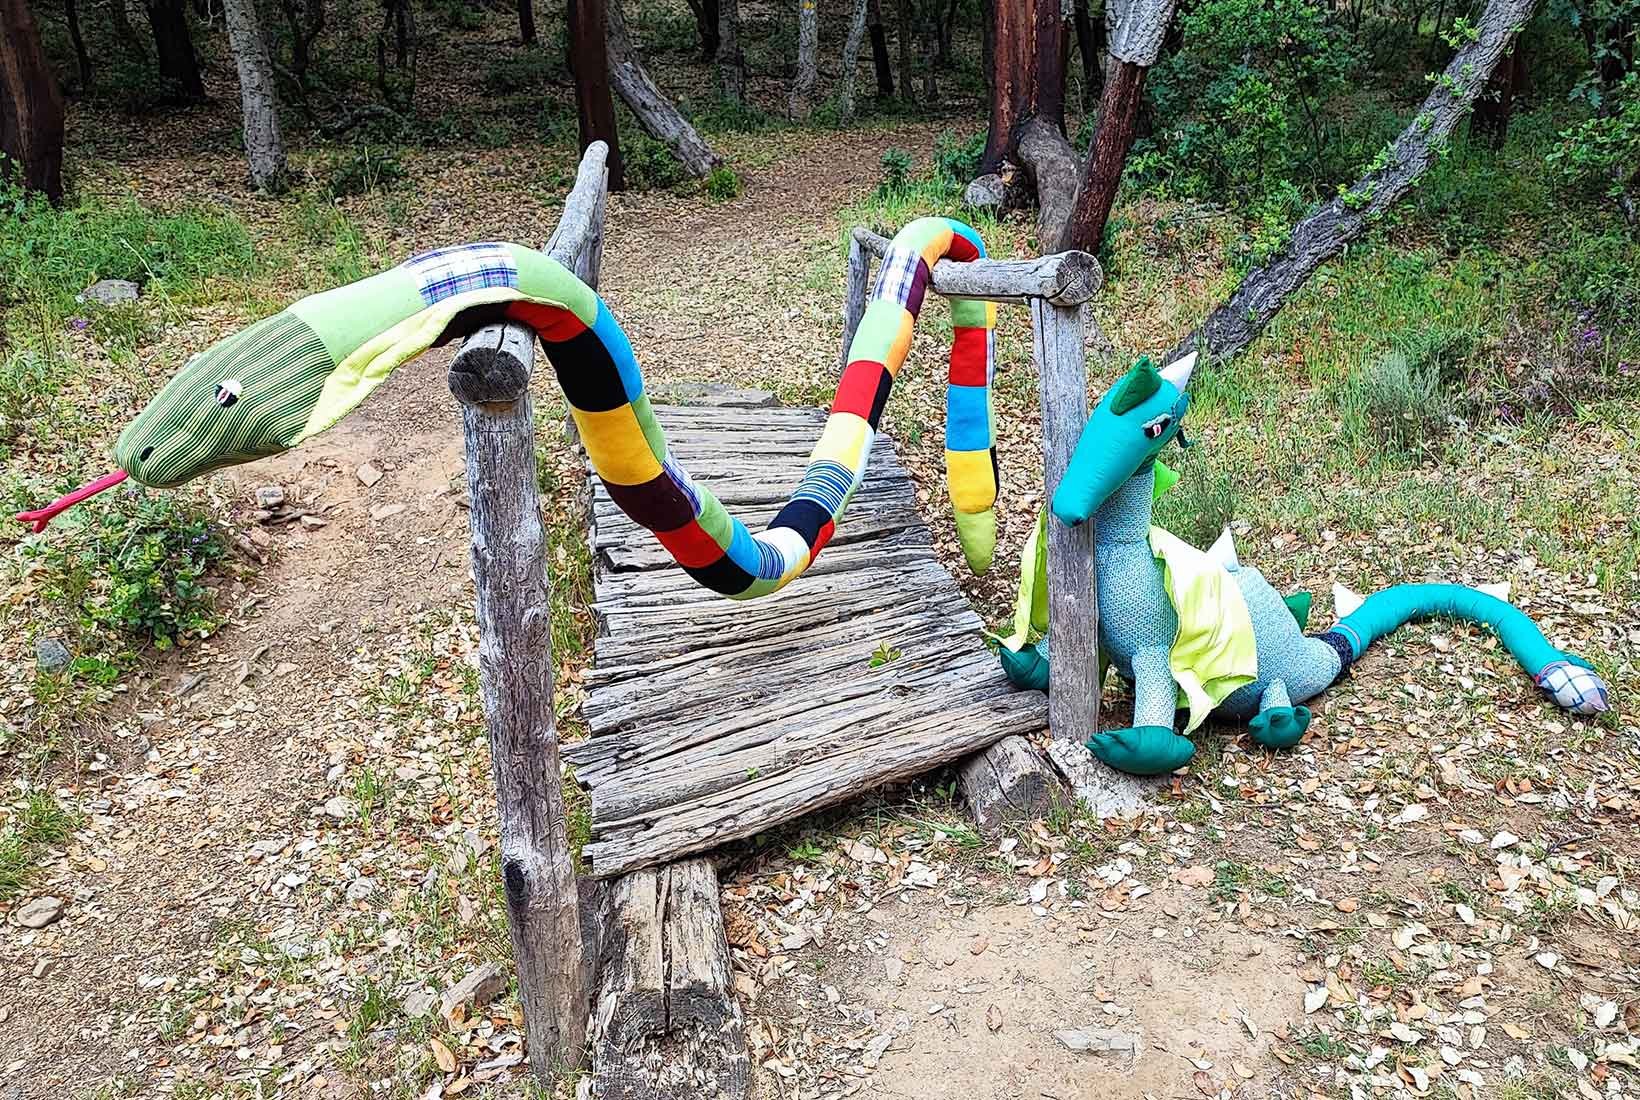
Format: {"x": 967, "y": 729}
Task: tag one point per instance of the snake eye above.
{"x": 1155, "y": 428}
{"x": 227, "y": 392}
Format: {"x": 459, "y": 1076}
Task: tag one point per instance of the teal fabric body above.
{"x": 1384, "y": 611}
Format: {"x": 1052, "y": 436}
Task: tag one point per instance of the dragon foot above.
{"x": 1027, "y": 668}
{"x": 1280, "y": 727}
{"x": 1142, "y": 750}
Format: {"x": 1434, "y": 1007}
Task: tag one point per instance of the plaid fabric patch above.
{"x": 446, "y": 272}
{"x": 897, "y": 274}
{"x": 1576, "y": 689}
{"x": 681, "y": 477}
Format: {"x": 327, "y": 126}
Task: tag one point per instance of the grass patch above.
{"x": 39, "y": 823}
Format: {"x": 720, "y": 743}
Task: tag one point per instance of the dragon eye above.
{"x": 227, "y": 392}
{"x": 1155, "y": 428}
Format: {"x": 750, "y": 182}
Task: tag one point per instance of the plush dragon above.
{"x": 290, "y": 376}
{"x": 1198, "y": 629}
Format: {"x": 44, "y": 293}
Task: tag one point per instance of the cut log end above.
{"x": 493, "y": 366}
{"x": 1008, "y": 782}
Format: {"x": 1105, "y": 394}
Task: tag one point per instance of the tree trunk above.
{"x": 31, "y": 107}
{"x": 1497, "y": 101}
{"x": 120, "y": 19}
{"x": 731, "y": 65}
{"x": 1027, "y": 73}
{"x": 706, "y": 25}
{"x": 1137, "y": 30}
{"x": 526, "y": 22}
{"x": 1051, "y": 162}
{"x": 174, "y": 48}
{"x": 1324, "y": 232}
{"x": 903, "y": 44}
{"x": 306, "y": 21}
{"x": 851, "y": 59}
{"x": 82, "y": 60}
{"x": 264, "y": 148}
{"x": 1091, "y": 50}
{"x": 801, "y": 103}
{"x": 589, "y": 57}
{"x": 930, "y": 46}
{"x": 879, "y": 49}
{"x": 654, "y": 111}
{"x": 946, "y": 26}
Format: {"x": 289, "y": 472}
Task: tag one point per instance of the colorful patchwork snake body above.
{"x": 286, "y": 378}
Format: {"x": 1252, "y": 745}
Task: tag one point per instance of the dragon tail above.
{"x": 1570, "y": 681}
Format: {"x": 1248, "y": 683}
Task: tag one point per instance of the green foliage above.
{"x": 896, "y": 173}
{"x": 1603, "y": 153}
{"x": 41, "y": 822}
{"x": 26, "y": 384}
{"x": 1200, "y": 506}
{"x": 1395, "y": 401}
{"x": 1599, "y": 267}
{"x": 133, "y": 570}
{"x": 650, "y": 164}
{"x": 362, "y": 170}
{"x": 522, "y": 71}
{"x": 722, "y": 184}
{"x": 956, "y": 162}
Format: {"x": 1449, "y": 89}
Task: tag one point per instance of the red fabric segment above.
{"x": 962, "y": 249}
{"x": 821, "y": 539}
{"x": 968, "y": 357}
{"x": 554, "y": 324}
{"x": 857, "y": 392}
{"x": 691, "y": 545}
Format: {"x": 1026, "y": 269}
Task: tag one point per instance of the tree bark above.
{"x": 903, "y": 45}
{"x": 1497, "y": 102}
{"x": 82, "y": 60}
{"x": 800, "y": 105}
{"x": 1325, "y": 231}
{"x": 1051, "y": 162}
{"x": 731, "y": 64}
{"x": 31, "y": 107}
{"x": 1090, "y": 46}
{"x": 851, "y": 59}
{"x": 589, "y": 57}
{"x": 654, "y": 111}
{"x": 264, "y": 148}
{"x": 1136, "y": 33}
{"x": 706, "y": 24}
{"x": 305, "y": 20}
{"x": 1027, "y": 73}
{"x": 879, "y": 49}
{"x": 930, "y": 46}
{"x": 526, "y": 22}
{"x": 174, "y": 49}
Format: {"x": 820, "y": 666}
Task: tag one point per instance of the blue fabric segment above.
{"x": 967, "y": 419}
{"x": 772, "y": 564}
{"x": 827, "y": 484}
{"x": 620, "y": 351}
{"x": 745, "y": 551}
{"x": 1384, "y": 611}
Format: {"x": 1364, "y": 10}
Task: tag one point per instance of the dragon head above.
{"x": 1135, "y": 419}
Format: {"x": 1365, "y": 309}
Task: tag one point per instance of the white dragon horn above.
{"x": 1500, "y": 590}
{"x": 1344, "y": 601}
{"x": 1179, "y": 371}
{"x": 1223, "y": 551}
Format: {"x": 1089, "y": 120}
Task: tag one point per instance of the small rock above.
{"x": 987, "y": 192}
{"x": 40, "y": 912}
{"x": 270, "y": 496}
{"x": 387, "y": 511}
{"x": 51, "y": 655}
{"x": 110, "y": 291}
{"x": 1100, "y": 1041}
{"x": 341, "y": 808}
{"x": 314, "y": 522}
{"x": 477, "y": 989}
{"x": 360, "y": 888}
{"x": 368, "y": 474}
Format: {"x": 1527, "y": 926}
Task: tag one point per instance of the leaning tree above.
{"x": 31, "y": 108}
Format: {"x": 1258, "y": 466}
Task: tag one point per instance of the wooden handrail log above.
{"x": 494, "y": 363}
{"x": 1064, "y": 278}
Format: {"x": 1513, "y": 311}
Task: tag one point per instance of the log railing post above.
{"x": 1073, "y": 605}
{"x": 490, "y": 376}
{"x": 856, "y": 282}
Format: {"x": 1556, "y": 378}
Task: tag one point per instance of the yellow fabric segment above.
{"x": 1213, "y": 653}
{"x": 370, "y": 364}
{"x": 972, "y": 480}
{"x": 843, "y": 440}
{"x": 616, "y": 444}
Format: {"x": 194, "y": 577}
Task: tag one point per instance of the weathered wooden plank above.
{"x": 1062, "y": 278}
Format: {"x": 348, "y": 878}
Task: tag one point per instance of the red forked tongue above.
{"x": 42, "y": 516}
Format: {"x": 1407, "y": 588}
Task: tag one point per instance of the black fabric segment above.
{"x": 885, "y": 383}
{"x": 806, "y": 517}
{"x": 996, "y": 475}
{"x": 722, "y": 576}
{"x": 586, "y": 372}
{"x": 1341, "y": 645}
{"x": 659, "y": 504}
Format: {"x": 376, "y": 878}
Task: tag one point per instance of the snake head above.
{"x": 246, "y": 397}
{"x": 1135, "y": 419}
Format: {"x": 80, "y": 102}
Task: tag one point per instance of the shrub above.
{"x": 26, "y": 386}
{"x": 649, "y": 164}
{"x": 1200, "y": 506}
{"x": 1395, "y": 401}
{"x": 722, "y": 184}
{"x": 364, "y": 170}
{"x": 956, "y": 162}
{"x": 527, "y": 70}
{"x": 896, "y": 172}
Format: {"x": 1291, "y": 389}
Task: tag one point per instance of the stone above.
{"x": 110, "y": 292}
{"x": 341, "y": 808}
{"x": 270, "y": 496}
{"x": 369, "y": 474}
{"x": 51, "y": 655}
{"x": 988, "y": 192}
{"x": 40, "y": 912}
{"x": 360, "y": 888}
{"x": 1100, "y": 1041}
{"x": 387, "y": 511}
{"x": 314, "y": 522}
{"x": 419, "y": 1003}
{"x": 477, "y": 989}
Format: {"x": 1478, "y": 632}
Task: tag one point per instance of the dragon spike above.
{"x": 1179, "y": 371}
{"x": 38, "y": 518}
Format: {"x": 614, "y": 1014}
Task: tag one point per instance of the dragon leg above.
{"x": 1149, "y": 746}
{"x": 1278, "y": 724}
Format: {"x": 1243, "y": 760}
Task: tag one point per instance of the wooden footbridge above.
{"x": 714, "y": 720}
